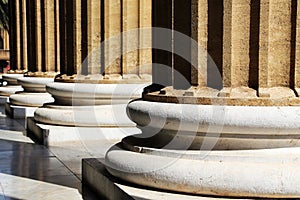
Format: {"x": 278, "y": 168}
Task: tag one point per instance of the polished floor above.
{"x": 30, "y": 171}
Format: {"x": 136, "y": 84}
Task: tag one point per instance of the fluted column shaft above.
{"x": 34, "y": 28}
{"x": 252, "y": 45}
{"x": 14, "y": 26}
{"x": 106, "y": 43}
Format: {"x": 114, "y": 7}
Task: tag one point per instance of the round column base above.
{"x": 81, "y": 94}
{"x": 30, "y": 99}
{"x": 192, "y": 126}
{"x": 9, "y": 90}
{"x": 34, "y": 84}
{"x": 246, "y": 173}
{"x": 87, "y": 116}
{"x": 237, "y": 151}
{"x": 12, "y": 79}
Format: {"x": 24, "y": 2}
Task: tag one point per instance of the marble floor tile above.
{"x": 24, "y": 188}
{"x": 29, "y": 171}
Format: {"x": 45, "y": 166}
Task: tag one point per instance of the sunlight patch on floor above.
{"x": 16, "y": 136}
{"x": 28, "y": 189}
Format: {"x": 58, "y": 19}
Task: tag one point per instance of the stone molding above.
{"x": 30, "y": 99}
{"x": 238, "y": 96}
{"x": 255, "y": 173}
{"x": 34, "y": 84}
{"x": 94, "y": 94}
{"x": 105, "y": 79}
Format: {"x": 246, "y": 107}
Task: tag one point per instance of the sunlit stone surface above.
{"x": 228, "y": 127}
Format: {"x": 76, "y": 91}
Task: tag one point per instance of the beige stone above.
{"x": 263, "y": 44}
{"x": 94, "y": 36}
{"x": 112, "y": 37}
{"x": 279, "y": 43}
{"x": 145, "y": 36}
{"x": 240, "y": 50}
{"x": 24, "y": 38}
{"x": 18, "y": 47}
{"x": 227, "y": 43}
{"x": 297, "y": 49}
{"x": 50, "y": 46}
{"x": 130, "y": 24}
{"x": 199, "y": 34}
{"x": 259, "y": 54}
{"x": 57, "y": 36}
{"x": 38, "y": 32}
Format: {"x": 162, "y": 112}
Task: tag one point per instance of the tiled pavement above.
{"x": 31, "y": 171}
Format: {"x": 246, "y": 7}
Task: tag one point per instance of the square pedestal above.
{"x": 96, "y": 178}
{"x": 50, "y": 134}
{"x": 3, "y": 100}
{"x": 19, "y": 112}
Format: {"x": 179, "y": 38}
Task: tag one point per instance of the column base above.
{"x": 84, "y": 116}
{"x": 34, "y": 84}
{"x": 71, "y": 94}
{"x": 232, "y": 151}
{"x": 3, "y": 100}
{"x": 267, "y": 173}
{"x": 30, "y": 99}
{"x": 23, "y": 105}
{"x": 96, "y": 178}
{"x": 12, "y": 79}
{"x": 206, "y": 127}
{"x": 9, "y": 90}
{"x": 49, "y": 135}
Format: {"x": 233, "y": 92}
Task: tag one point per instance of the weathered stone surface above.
{"x": 9, "y": 90}
{"x": 256, "y": 173}
{"x": 223, "y": 127}
{"x": 99, "y": 116}
{"x": 237, "y": 136}
{"x": 12, "y": 78}
{"x": 30, "y": 99}
{"x": 95, "y": 176}
{"x": 94, "y": 94}
{"x": 34, "y": 84}
{"x": 55, "y": 135}
{"x": 256, "y": 55}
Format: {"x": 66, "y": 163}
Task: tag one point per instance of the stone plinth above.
{"x": 35, "y": 84}
{"x": 85, "y": 110}
{"x": 53, "y": 135}
{"x": 12, "y": 79}
{"x": 30, "y": 99}
{"x": 96, "y": 176}
{"x": 187, "y": 146}
{"x": 34, "y": 96}
{"x": 94, "y": 94}
{"x": 11, "y": 88}
{"x": 221, "y": 173}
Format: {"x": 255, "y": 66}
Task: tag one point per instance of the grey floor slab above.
{"x": 31, "y": 171}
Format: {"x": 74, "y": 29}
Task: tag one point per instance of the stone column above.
{"x": 70, "y": 36}
{"x": 229, "y": 125}
{"x": 100, "y": 71}
{"x": 39, "y": 51}
{"x": 5, "y": 39}
{"x": 145, "y": 36}
{"x": 42, "y": 30}
{"x": 23, "y": 36}
{"x": 9, "y": 80}
{"x": 14, "y": 11}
